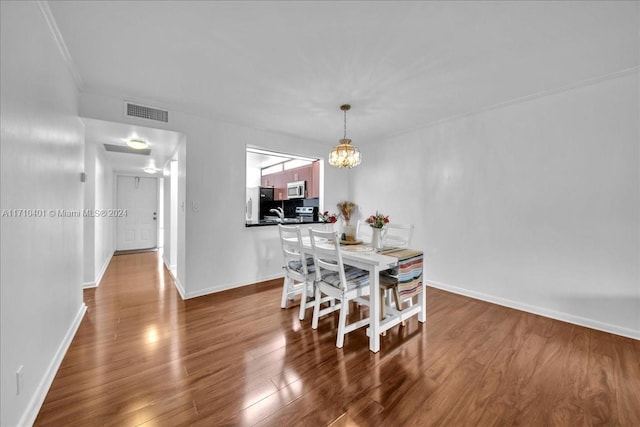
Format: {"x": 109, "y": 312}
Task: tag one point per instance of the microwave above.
{"x": 296, "y": 190}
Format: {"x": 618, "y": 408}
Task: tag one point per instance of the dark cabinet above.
{"x": 266, "y": 194}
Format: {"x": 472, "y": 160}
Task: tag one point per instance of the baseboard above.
{"x": 226, "y": 287}
{"x": 171, "y": 268}
{"x": 33, "y": 408}
{"x": 105, "y": 265}
{"x": 88, "y": 285}
{"x": 166, "y": 262}
{"x": 184, "y": 295}
{"x": 541, "y": 311}
{"x": 179, "y": 286}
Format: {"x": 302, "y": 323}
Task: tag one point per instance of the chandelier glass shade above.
{"x": 344, "y": 155}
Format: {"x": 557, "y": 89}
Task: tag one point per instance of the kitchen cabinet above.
{"x": 279, "y": 180}
{"x": 300, "y": 174}
{"x": 279, "y": 184}
{"x": 313, "y": 184}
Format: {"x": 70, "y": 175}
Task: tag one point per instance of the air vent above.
{"x": 127, "y": 150}
{"x": 140, "y": 111}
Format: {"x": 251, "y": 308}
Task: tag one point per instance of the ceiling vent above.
{"x": 143, "y": 112}
{"x": 127, "y": 150}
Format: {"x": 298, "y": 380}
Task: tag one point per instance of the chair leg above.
{"x": 383, "y": 302}
{"x": 387, "y": 296}
{"x": 396, "y": 296}
{"x": 342, "y": 323}
{"x": 285, "y": 292}
{"x": 303, "y": 301}
{"x": 316, "y": 309}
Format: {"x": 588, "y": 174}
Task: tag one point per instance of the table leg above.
{"x": 422, "y": 316}
{"x": 374, "y": 310}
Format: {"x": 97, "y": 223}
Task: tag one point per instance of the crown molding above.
{"x": 57, "y": 36}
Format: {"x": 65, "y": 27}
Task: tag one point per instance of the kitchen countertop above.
{"x": 289, "y": 221}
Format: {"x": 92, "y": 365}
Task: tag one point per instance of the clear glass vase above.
{"x": 348, "y": 231}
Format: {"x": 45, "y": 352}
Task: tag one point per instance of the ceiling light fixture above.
{"x": 344, "y": 155}
{"x": 150, "y": 170}
{"x": 137, "y": 144}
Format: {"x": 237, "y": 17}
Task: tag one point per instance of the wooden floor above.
{"x": 142, "y": 356}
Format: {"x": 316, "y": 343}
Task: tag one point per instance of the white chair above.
{"x": 299, "y": 269}
{"x": 396, "y": 236}
{"x": 327, "y": 226}
{"x": 337, "y": 281}
{"x": 363, "y": 231}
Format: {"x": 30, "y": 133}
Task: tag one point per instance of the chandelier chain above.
{"x": 345, "y": 124}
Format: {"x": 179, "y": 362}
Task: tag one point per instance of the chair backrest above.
{"x": 327, "y": 257}
{"x": 328, "y": 226}
{"x": 363, "y": 231}
{"x": 291, "y": 242}
{"x": 397, "y": 235}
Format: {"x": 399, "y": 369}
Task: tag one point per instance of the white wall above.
{"x": 169, "y": 252}
{"x": 41, "y": 152}
{"x": 105, "y": 225}
{"x": 99, "y": 231}
{"x": 534, "y": 205}
{"x": 221, "y": 251}
{"x": 89, "y": 231}
{"x": 181, "y": 246}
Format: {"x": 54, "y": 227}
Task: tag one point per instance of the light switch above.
{"x": 195, "y": 205}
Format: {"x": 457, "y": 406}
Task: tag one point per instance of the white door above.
{"x": 139, "y": 228}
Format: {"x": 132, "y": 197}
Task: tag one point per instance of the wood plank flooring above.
{"x": 142, "y": 356}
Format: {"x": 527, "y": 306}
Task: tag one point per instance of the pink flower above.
{"x": 378, "y": 220}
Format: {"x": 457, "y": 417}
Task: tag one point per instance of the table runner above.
{"x": 408, "y": 272}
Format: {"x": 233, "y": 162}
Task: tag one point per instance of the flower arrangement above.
{"x": 328, "y": 218}
{"x": 378, "y": 220}
{"x": 346, "y": 209}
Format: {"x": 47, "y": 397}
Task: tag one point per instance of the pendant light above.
{"x": 344, "y": 155}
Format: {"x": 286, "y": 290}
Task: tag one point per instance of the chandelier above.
{"x": 344, "y": 155}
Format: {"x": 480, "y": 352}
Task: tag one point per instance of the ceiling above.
{"x": 287, "y": 66}
{"x": 162, "y": 144}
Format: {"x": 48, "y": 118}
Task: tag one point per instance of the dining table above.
{"x": 365, "y": 257}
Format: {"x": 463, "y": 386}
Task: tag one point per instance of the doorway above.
{"x": 138, "y": 229}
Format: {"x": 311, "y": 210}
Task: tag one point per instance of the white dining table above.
{"x": 363, "y": 256}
